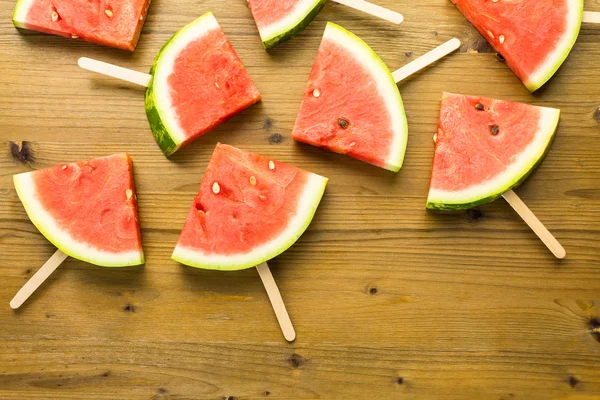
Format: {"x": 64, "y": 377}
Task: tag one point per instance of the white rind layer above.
{"x": 523, "y": 163}
{"x": 64, "y": 241}
{"x": 164, "y": 68}
{"x": 289, "y": 22}
{"x": 386, "y": 86}
{"x": 21, "y": 12}
{"x": 307, "y": 206}
{"x": 555, "y": 59}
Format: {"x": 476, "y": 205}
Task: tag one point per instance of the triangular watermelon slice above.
{"x": 351, "y": 104}
{"x": 116, "y": 24}
{"x": 279, "y": 21}
{"x": 198, "y": 82}
{"x": 485, "y": 147}
{"x": 88, "y": 209}
{"x": 535, "y": 37}
{"x": 249, "y": 209}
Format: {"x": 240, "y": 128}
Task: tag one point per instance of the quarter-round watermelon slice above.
{"x": 485, "y": 147}
{"x": 249, "y": 209}
{"x": 351, "y": 104}
{"x": 88, "y": 209}
{"x": 111, "y": 23}
{"x": 198, "y": 82}
{"x": 535, "y": 37}
{"x": 281, "y": 20}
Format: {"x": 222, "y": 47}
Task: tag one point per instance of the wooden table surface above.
{"x": 389, "y": 300}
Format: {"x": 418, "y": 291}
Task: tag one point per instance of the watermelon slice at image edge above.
{"x": 88, "y": 209}
{"x": 535, "y": 37}
{"x": 352, "y": 104}
{"x": 115, "y": 24}
{"x": 249, "y": 209}
{"x": 198, "y": 82}
{"x": 485, "y": 147}
{"x": 279, "y": 21}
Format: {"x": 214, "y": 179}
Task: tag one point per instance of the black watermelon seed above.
{"x": 343, "y": 123}
{"x": 479, "y": 106}
{"x": 495, "y": 130}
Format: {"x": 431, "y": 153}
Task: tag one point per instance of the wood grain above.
{"x": 388, "y": 300}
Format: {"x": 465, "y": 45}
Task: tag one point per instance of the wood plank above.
{"x": 388, "y": 300}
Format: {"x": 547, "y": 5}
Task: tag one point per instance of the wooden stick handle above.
{"x": 115, "y": 71}
{"x": 277, "y": 302}
{"x": 373, "y": 9}
{"x": 534, "y": 223}
{"x": 591, "y": 17}
{"x": 37, "y": 279}
{"x": 427, "y": 59}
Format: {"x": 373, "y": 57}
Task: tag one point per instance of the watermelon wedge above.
{"x": 279, "y": 21}
{"x": 249, "y": 209}
{"x": 535, "y": 37}
{"x": 88, "y": 209}
{"x": 351, "y": 104}
{"x": 198, "y": 82}
{"x": 115, "y": 24}
{"x": 485, "y": 147}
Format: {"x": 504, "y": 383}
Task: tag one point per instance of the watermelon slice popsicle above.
{"x": 88, "y": 209}
{"x": 196, "y": 83}
{"x": 352, "y": 104}
{"x": 484, "y": 148}
{"x": 279, "y": 21}
{"x": 534, "y": 37}
{"x": 249, "y": 209}
{"x": 116, "y": 24}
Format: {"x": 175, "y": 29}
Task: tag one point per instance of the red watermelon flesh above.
{"x": 209, "y": 84}
{"x": 351, "y": 106}
{"x": 86, "y": 204}
{"x": 534, "y": 37}
{"x": 485, "y": 147}
{"x": 244, "y": 206}
{"x": 267, "y": 12}
{"x": 111, "y": 23}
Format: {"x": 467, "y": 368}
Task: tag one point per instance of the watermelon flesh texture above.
{"x": 485, "y": 147}
{"x": 280, "y": 20}
{"x": 115, "y": 24}
{"x": 88, "y": 209}
{"x": 249, "y": 209}
{"x": 535, "y": 37}
{"x": 351, "y": 104}
{"x": 198, "y": 83}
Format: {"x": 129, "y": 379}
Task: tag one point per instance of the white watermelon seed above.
{"x": 262, "y": 197}
{"x": 253, "y": 180}
{"x": 501, "y": 39}
{"x": 54, "y": 16}
{"x": 216, "y": 188}
{"x": 128, "y": 193}
{"x": 491, "y": 34}
{"x": 74, "y": 36}
{"x": 141, "y": 17}
{"x": 435, "y": 138}
{"x": 316, "y": 92}
{"x": 108, "y": 13}
{"x": 352, "y": 144}
{"x": 271, "y": 165}
{"x": 63, "y": 167}
{"x": 217, "y": 85}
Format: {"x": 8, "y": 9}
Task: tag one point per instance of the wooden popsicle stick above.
{"x": 591, "y": 17}
{"x": 427, "y": 59}
{"x": 534, "y": 223}
{"x": 373, "y": 9}
{"x": 277, "y": 302}
{"x": 37, "y": 279}
{"x": 115, "y": 71}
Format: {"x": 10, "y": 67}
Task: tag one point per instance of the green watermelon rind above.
{"x": 20, "y": 13}
{"x": 162, "y": 129}
{"x": 396, "y": 157}
{"x": 43, "y": 221}
{"x": 294, "y": 28}
{"x": 548, "y": 130}
{"x": 560, "y": 54}
{"x": 309, "y": 202}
